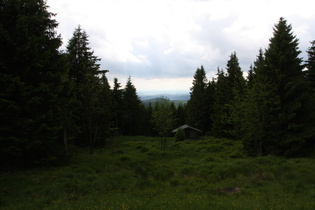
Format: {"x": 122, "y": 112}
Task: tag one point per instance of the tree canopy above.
{"x": 163, "y": 119}
{"x": 197, "y": 113}
{"x": 32, "y": 77}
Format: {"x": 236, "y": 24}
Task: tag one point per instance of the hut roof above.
{"x": 185, "y": 127}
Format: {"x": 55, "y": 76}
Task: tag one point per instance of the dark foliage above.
{"x": 197, "y": 109}
{"x": 131, "y": 110}
{"x": 33, "y": 76}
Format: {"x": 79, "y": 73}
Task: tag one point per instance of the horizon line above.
{"x": 157, "y": 92}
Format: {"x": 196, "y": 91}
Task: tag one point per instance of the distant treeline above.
{"x": 149, "y": 102}
{"x": 52, "y": 101}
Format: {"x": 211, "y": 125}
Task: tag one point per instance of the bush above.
{"x": 180, "y": 135}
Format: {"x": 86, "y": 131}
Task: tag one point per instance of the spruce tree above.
{"x": 250, "y": 78}
{"x": 105, "y": 110}
{"x": 117, "y": 105}
{"x": 279, "y": 100}
{"x": 289, "y": 130}
{"x": 131, "y": 109}
{"x": 210, "y": 104}
{"x": 236, "y": 90}
{"x": 236, "y": 81}
{"x": 256, "y": 121}
{"x": 220, "y": 110}
{"x": 144, "y": 126}
{"x": 32, "y": 78}
{"x": 196, "y": 106}
{"x": 180, "y": 115}
{"x": 228, "y": 96}
{"x": 310, "y": 64}
{"x": 147, "y": 127}
{"x": 84, "y": 70}
{"x": 66, "y": 102}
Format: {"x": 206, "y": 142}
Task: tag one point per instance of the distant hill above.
{"x": 172, "y": 97}
{"x": 175, "y": 98}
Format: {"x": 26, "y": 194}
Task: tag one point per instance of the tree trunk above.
{"x": 65, "y": 141}
{"x": 90, "y": 136}
{"x": 260, "y": 147}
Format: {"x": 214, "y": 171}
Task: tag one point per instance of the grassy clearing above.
{"x": 132, "y": 173}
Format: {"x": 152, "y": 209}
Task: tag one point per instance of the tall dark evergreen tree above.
{"x": 66, "y": 102}
{"x": 229, "y": 93}
{"x": 147, "y": 126}
{"x": 196, "y": 106}
{"x": 117, "y": 105}
{"x": 210, "y": 104}
{"x": 105, "y": 110}
{"x": 180, "y": 115}
{"x": 84, "y": 70}
{"x": 237, "y": 85}
{"x": 32, "y": 78}
{"x": 284, "y": 96}
{"x": 257, "y": 101}
{"x": 220, "y": 114}
{"x": 131, "y": 110}
{"x": 310, "y": 64}
{"x": 235, "y": 77}
{"x": 250, "y": 78}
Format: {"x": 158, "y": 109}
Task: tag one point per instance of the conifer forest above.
{"x": 54, "y": 101}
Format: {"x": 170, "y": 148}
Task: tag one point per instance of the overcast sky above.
{"x": 161, "y": 43}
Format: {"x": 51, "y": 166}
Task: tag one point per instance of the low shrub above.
{"x": 180, "y": 135}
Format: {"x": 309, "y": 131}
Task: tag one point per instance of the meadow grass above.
{"x": 132, "y": 173}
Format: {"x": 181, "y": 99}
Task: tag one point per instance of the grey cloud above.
{"x": 162, "y": 65}
{"x": 175, "y": 64}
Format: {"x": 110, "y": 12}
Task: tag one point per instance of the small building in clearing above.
{"x": 190, "y": 132}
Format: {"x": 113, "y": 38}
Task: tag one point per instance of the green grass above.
{"x": 132, "y": 173}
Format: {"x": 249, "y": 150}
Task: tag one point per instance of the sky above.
{"x": 161, "y": 43}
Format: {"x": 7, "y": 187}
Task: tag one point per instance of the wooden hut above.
{"x": 190, "y": 132}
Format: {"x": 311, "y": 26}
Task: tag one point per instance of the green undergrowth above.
{"x": 132, "y": 173}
